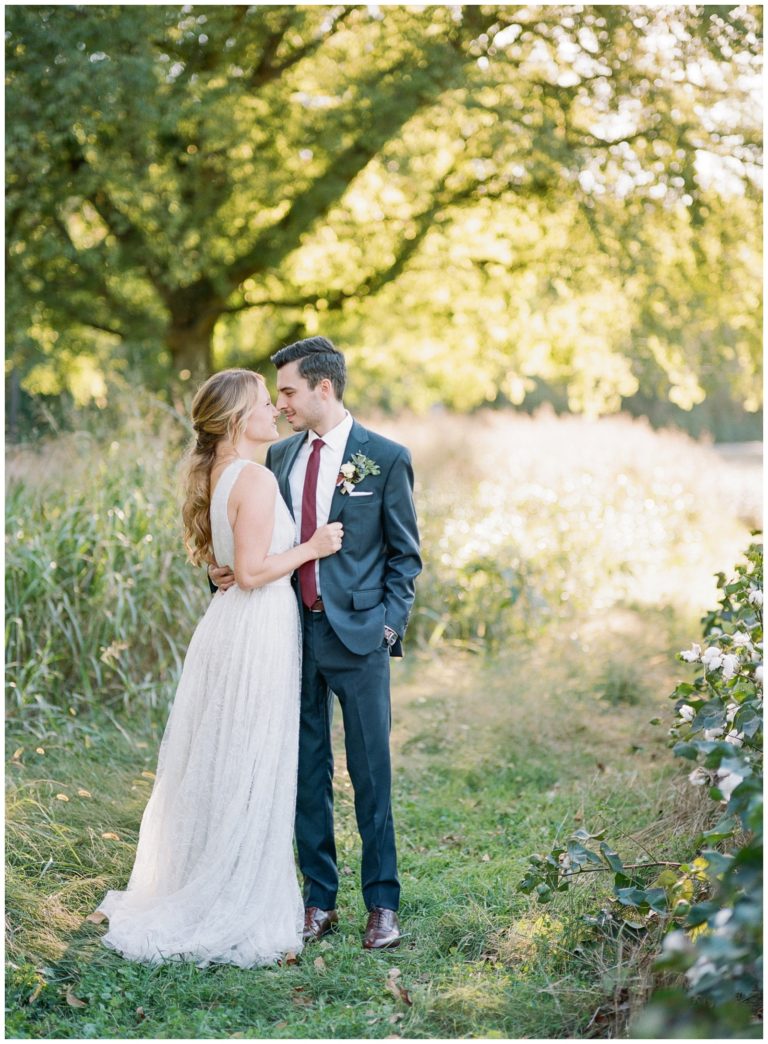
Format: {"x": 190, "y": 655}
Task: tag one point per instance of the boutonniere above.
{"x": 355, "y": 470}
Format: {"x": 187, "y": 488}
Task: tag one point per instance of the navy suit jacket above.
{"x": 370, "y": 582}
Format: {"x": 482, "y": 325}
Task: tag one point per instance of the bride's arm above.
{"x": 253, "y": 501}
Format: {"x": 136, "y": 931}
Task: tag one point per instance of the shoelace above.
{"x": 378, "y": 918}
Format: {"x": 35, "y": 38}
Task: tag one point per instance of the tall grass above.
{"x": 524, "y": 521}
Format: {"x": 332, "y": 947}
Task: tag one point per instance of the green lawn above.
{"x": 493, "y": 759}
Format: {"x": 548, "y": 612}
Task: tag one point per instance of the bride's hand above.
{"x": 326, "y": 540}
{"x": 221, "y": 576}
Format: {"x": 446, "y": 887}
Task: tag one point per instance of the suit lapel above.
{"x": 289, "y": 459}
{"x": 358, "y": 437}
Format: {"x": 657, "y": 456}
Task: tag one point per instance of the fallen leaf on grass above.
{"x": 96, "y": 917}
{"x": 17, "y": 754}
{"x": 397, "y": 1017}
{"x": 62, "y": 797}
{"x": 347, "y": 870}
{"x": 75, "y": 1002}
{"x": 486, "y": 858}
{"x": 394, "y": 987}
{"x": 319, "y": 963}
{"x": 39, "y": 750}
{"x": 83, "y": 793}
{"x": 148, "y": 775}
{"x": 110, "y": 837}
{"x": 300, "y": 999}
{"x": 140, "y": 1013}
{"x": 290, "y": 958}
{"x": 36, "y": 993}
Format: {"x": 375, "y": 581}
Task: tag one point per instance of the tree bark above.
{"x": 194, "y": 311}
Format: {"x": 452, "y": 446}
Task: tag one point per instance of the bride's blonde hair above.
{"x": 219, "y": 411}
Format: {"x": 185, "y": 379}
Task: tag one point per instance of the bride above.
{"x": 214, "y": 878}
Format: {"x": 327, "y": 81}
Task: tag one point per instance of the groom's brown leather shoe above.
{"x": 382, "y": 930}
{"x": 318, "y": 923}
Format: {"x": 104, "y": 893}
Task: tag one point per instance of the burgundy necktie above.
{"x": 307, "y": 582}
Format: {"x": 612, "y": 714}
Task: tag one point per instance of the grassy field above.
{"x": 567, "y": 561}
{"x": 492, "y": 761}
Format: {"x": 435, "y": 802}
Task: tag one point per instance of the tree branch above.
{"x": 267, "y": 70}
{"x": 609, "y": 869}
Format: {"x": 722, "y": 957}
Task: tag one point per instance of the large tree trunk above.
{"x": 194, "y": 312}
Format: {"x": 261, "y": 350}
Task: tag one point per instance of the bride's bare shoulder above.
{"x": 254, "y": 479}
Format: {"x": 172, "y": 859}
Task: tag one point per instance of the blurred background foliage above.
{"x": 484, "y": 204}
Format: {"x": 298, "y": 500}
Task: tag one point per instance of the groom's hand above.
{"x": 221, "y": 576}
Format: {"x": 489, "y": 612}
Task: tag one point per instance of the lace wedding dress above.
{"x": 214, "y": 878}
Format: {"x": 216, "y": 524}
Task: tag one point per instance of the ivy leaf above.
{"x": 631, "y": 896}
{"x": 657, "y": 899}
{"x": 686, "y": 750}
{"x": 612, "y": 858}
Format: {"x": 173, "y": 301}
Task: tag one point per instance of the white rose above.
{"x": 736, "y": 738}
{"x": 686, "y": 713}
{"x": 740, "y": 639}
{"x": 692, "y": 654}
{"x": 731, "y": 666}
{"x": 677, "y": 942}
{"x": 727, "y": 782}
{"x": 347, "y": 470}
{"x": 712, "y": 734}
{"x": 722, "y": 917}
{"x": 701, "y": 968}
{"x": 712, "y": 658}
{"x": 756, "y": 596}
{"x": 698, "y": 777}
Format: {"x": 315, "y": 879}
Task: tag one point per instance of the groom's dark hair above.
{"x": 318, "y": 358}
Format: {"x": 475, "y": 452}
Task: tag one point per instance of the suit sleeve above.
{"x": 401, "y": 535}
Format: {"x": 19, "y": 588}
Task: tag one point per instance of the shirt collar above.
{"x": 337, "y": 437}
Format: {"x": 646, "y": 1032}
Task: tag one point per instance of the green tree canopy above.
{"x": 470, "y": 198}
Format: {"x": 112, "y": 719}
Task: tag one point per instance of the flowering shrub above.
{"x": 707, "y": 913}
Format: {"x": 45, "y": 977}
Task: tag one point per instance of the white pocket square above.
{"x": 368, "y": 493}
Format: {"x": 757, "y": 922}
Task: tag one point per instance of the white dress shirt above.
{"x": 331, "y": 459}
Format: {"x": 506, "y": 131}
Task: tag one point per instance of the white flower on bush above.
{"x": 677, "y": 942}
{"x": 691, "y": 655}
{"x": 731, "y": 664}
{"x": 701, "y": 968}
{"x": 698, "y": 777}
{"x": 759, "y": 674}
{"x": 712, "y": 734}
{"x": 721, "y": 918}
{"x": 741, "y": 640}
{"x": 712, "y": 658}
{"x": 735, "y": 738}
{"x": 686, "y": 713}
{"x": 755, "y": 597}
{"x": 727, "y": 782}
{"x": 730, "y": 711}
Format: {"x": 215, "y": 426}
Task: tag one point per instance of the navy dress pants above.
{"x": 362, "y": 686}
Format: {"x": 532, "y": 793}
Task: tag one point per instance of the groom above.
{"x": 355, "y": 607}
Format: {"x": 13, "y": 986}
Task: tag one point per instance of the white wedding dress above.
{"x": 214, "y": 879}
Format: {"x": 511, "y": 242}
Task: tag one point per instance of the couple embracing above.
{"x": 313, "y": 559}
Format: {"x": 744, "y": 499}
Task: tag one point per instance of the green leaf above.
{"x": 612, "y": 858}
{"x": 686, "y": 750}
{"x": 631, "y": 896}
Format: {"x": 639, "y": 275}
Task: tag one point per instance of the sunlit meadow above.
{"x": 524, "y": 520}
